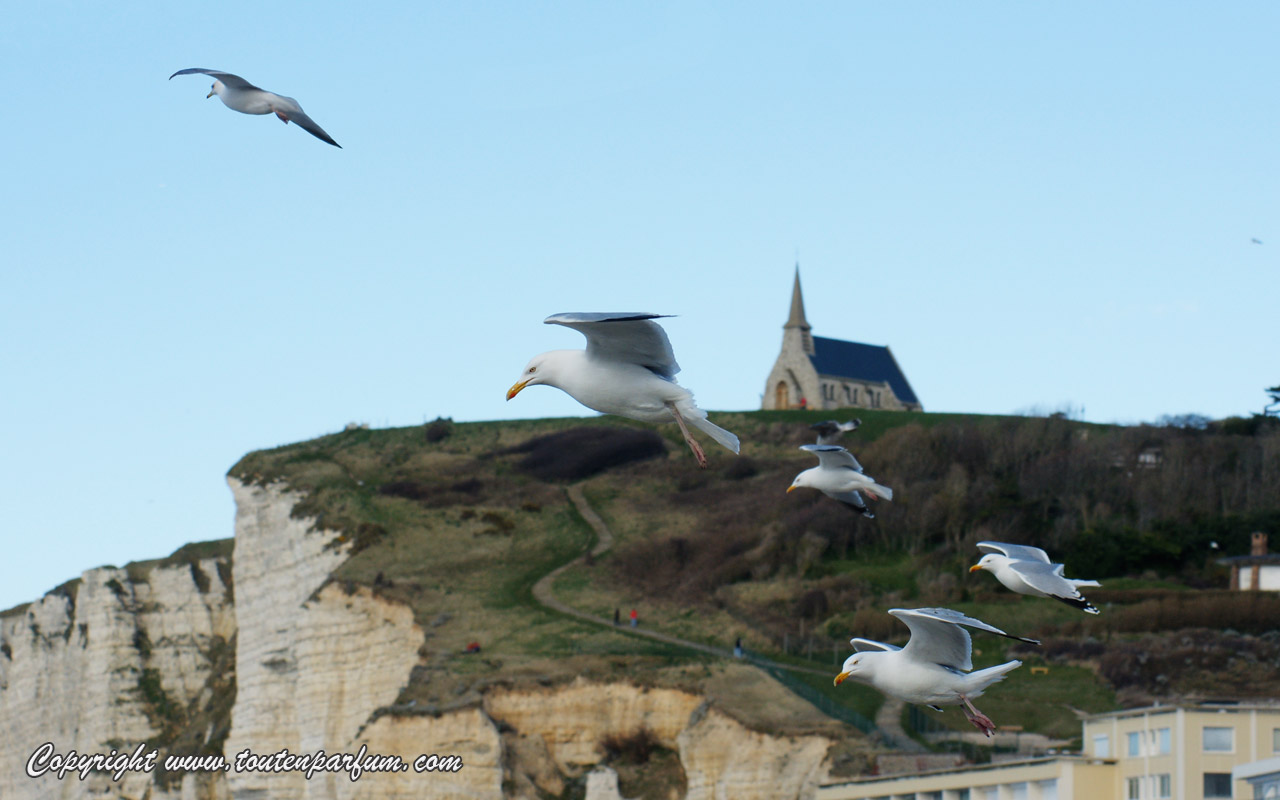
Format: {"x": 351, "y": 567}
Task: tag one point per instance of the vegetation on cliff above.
{"x": 459, "y": 520}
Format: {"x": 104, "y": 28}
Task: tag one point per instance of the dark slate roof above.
{"x": 1248, "y": 561}
{"x": 865, "y": 362}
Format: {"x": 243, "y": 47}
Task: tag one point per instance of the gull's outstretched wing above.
{"x": 832, "y": 456}
{"x": 862, "y": 645}
{"x": 1020, "y": 552}
{"x": 829, "y": 431}
{"x": 1047, "y": 578}
{"x": 626, "y": 337}
{"x": 300, "y": 119}
{"x": 935, "y": 639}
{"x": 229, "y": 80}
{"x": 937, "y": 636}
{"x": 854, "y": 501}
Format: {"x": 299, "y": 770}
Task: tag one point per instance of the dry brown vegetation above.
{"x": 466, "y": 521}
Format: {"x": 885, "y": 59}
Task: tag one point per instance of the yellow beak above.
{"x": 210, "y": 94}
{"x": 515, "y": 390}
{"x": 841, "y": 678}
{"x": 789, "y": 488}
{"x": 975, "y": 568}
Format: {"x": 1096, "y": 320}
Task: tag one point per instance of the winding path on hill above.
{"x": 891, "y": 730}
{"x": 889, "y": 721}
{"x": 542, "y": 590}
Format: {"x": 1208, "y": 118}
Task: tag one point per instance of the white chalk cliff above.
{"x": 153, "y": 655}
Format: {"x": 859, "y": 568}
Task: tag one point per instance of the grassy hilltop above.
{"x": 460, "y": 520}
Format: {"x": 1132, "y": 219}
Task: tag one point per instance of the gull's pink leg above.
{"x": 282, "y": 117}
{"x": 980, "y": 720}
{"x": 693, "y": 444}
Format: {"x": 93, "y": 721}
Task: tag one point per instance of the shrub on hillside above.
{"x": 582, "y": 452}
{"x": 438, "y": 429}
{"x": 1194, "y": 662}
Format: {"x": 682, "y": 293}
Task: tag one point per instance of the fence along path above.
{"x": 543, "y": 594}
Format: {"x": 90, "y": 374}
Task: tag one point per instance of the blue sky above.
{"x": 1035, "y": 206}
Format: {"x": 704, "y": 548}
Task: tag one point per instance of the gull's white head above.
{"x": 217, "y": 88}
{"x": 801, "y": 481}
{"x": 989, "y": 562}
{"x": 853, "y": 665}
{"x": 538, "y": 370}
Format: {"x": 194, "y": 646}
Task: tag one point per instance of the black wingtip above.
{"x": 1078, "y": 602}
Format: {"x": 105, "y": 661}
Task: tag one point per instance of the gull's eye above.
{"x": 532, "y": 370}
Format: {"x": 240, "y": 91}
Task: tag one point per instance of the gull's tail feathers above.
{"x": 883, "y": 492}
{"x": 723, "y": 437}
{"x": 978, "y": 681}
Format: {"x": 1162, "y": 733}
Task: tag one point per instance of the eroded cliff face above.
{"x": 319, "y": 666}
{"x": 109, "y": 664}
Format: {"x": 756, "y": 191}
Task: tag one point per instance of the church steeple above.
{"x": 797, "y": 319}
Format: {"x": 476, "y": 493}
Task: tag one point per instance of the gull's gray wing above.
{"x": 1019, "y": 552}
{"x": 627, "y": 337}
{"x": 832, "y": 456}
{"x": 862, "y": 645}
{"x": 1048, "y": 578}
{"x": 300, "y": 119}
{"x": 829, "y": 431}
{"x": 229, "y": 80}
{"x": 936, "y": 639}
{"x": 853, "y": 500}
{"x": 936, "y": 635}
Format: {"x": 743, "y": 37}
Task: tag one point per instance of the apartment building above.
{"x": 1154, "y": 753}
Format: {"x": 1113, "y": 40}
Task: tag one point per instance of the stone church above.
{"x": 816, "y": 372}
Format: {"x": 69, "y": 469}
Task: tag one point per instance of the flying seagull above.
{"x": 238, "y": 94}
{"x": 1027, "y": 570}
{"x": 839, "y": 476}
{"x": 830, "y": 431}
{"x": 628, "y": 369}
{"x": 934, "y": 667}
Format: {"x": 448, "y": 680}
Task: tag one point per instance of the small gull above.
{"x": 829, "y": 431}
{"x": 238, "y": 94}
{"x": 839, "y": 476}
{"x": 933, "y": 669}
{"x": 1027, "y": 570}
{"x": 628, "y": 369}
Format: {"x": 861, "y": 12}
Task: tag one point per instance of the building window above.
{"x": 1134, "y": 786}
{"x": 1275, "y": 740}
{"x": 1164, "y": 786}
{"x": 1218, "y": 740}
{"x": 1102, "y": 746}
{"x": 1135, "y": 744}
{"x": 1163, "y": 738}
{"x": 1217, "y": 784}
{"x": 1018, "y": 791}
{"x": 1048, "y": 789}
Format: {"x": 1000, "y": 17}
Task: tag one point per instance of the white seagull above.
{"x": 1027, "y": 570}
{"x": 628, "y": 369}
{"x": 934, "y": 668}
{"x": 839, "y": 476}
{"x": 830, "y": 431}
{"x": 238, "y": 94}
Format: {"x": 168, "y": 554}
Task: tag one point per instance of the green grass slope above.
{"x": 459, "y": 520}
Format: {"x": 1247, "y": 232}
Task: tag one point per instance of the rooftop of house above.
{"x": 865, "y": 362}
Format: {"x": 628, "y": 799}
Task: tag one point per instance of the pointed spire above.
{"x": 797, "y": 320}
